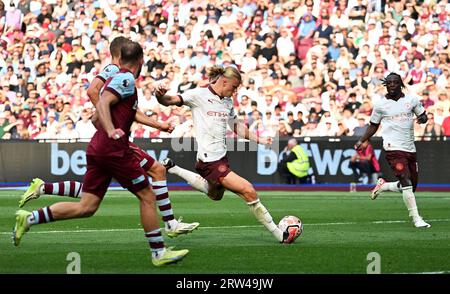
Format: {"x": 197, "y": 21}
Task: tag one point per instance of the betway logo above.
{"x": 327, "y": 162}
{"x": 62, "y": 162}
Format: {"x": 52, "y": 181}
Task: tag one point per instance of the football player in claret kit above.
{"x": 155, "y": 170}
{"x": 212, "y": 110}
{"x": 109, "y": 156}
{"x": 396, "y": 112}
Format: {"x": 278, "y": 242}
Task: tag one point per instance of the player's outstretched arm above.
{"x": 104, "y": 114}
{"x": 145, "y": 120}
{"x": 371, "y": 130}
{"x": 167, "y": 100}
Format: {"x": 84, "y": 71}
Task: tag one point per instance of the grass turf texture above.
{"x": 340, "y": 230}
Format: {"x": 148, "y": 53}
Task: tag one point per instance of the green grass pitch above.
{"x": 340, "y": 230}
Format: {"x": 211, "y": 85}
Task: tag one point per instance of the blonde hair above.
{"x": 215, "y": 72}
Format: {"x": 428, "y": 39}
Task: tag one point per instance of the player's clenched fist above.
{"x": 161, "y": 90}
{"x": 116, "y": 134}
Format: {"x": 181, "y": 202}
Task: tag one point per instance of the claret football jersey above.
{"x": 122, "y": 85}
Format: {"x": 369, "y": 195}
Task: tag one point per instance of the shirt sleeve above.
{"x": 190, "y": 98}
{"x": 122, "y": 85}
{"x": 377, "y": 114}
{"x": 107, "y": 72}
{"x": 417, "y": 106}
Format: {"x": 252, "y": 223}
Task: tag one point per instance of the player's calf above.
{"x": 157, "y": 171}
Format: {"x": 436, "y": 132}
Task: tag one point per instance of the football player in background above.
{"x": 396, "y": 112}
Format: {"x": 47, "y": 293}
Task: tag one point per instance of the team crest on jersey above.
{"x": 399, "y": 166}
{"x": 408, "y": 106}
{"x": 126, "y": 83}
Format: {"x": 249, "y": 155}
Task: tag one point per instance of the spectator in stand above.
{"x": 432, "y": 130}
{"x": 307, "y": 26}
{"x": 446, "y": 126}
{"x": 426, "y": 101}
{"x": 299, "y": 53}
{"x": 68, "y": 130}
{"x": 361, "y": 128}
{"x": 295, "y": 124}
{"x": 84, "y": 126}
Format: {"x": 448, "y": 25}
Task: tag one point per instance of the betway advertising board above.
{"x": 23, "y": 160}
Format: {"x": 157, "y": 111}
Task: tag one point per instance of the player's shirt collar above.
{"x": 400, "y": 97}
{"x": 214, "y": 92}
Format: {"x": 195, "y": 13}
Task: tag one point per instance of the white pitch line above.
{"x": 224, "y": 227}
{"x": 424, "y": 273}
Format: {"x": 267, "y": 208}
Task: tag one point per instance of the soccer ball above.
{"x": 291, "y": 225}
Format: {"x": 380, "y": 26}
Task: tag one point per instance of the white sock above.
{"x": 171, "y": 224}
{"x": 410, "y": 202}
{"x": 32, "y": 219}
{"x": 193, "y": 179}
{"x": 264, "y": 217}
{"x": 391, "y": 186}
{"x": 158, "y": 253}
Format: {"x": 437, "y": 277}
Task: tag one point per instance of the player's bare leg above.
{"x": 58, "y": 211}
{"x": 147, "y": 206}
{"x": 149, "y": 221}
{"x": 173, "y": 227}
{"x": 246, "y": 191}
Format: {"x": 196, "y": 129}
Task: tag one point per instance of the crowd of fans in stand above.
{"x": 310, "y": 68}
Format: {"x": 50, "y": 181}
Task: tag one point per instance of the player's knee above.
{"x": 148, "y": 197}
{"x": 158, "y": 169}
{"x": 405, "y": 181}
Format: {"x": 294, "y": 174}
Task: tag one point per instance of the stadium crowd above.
{"x": 310, "y": 68}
